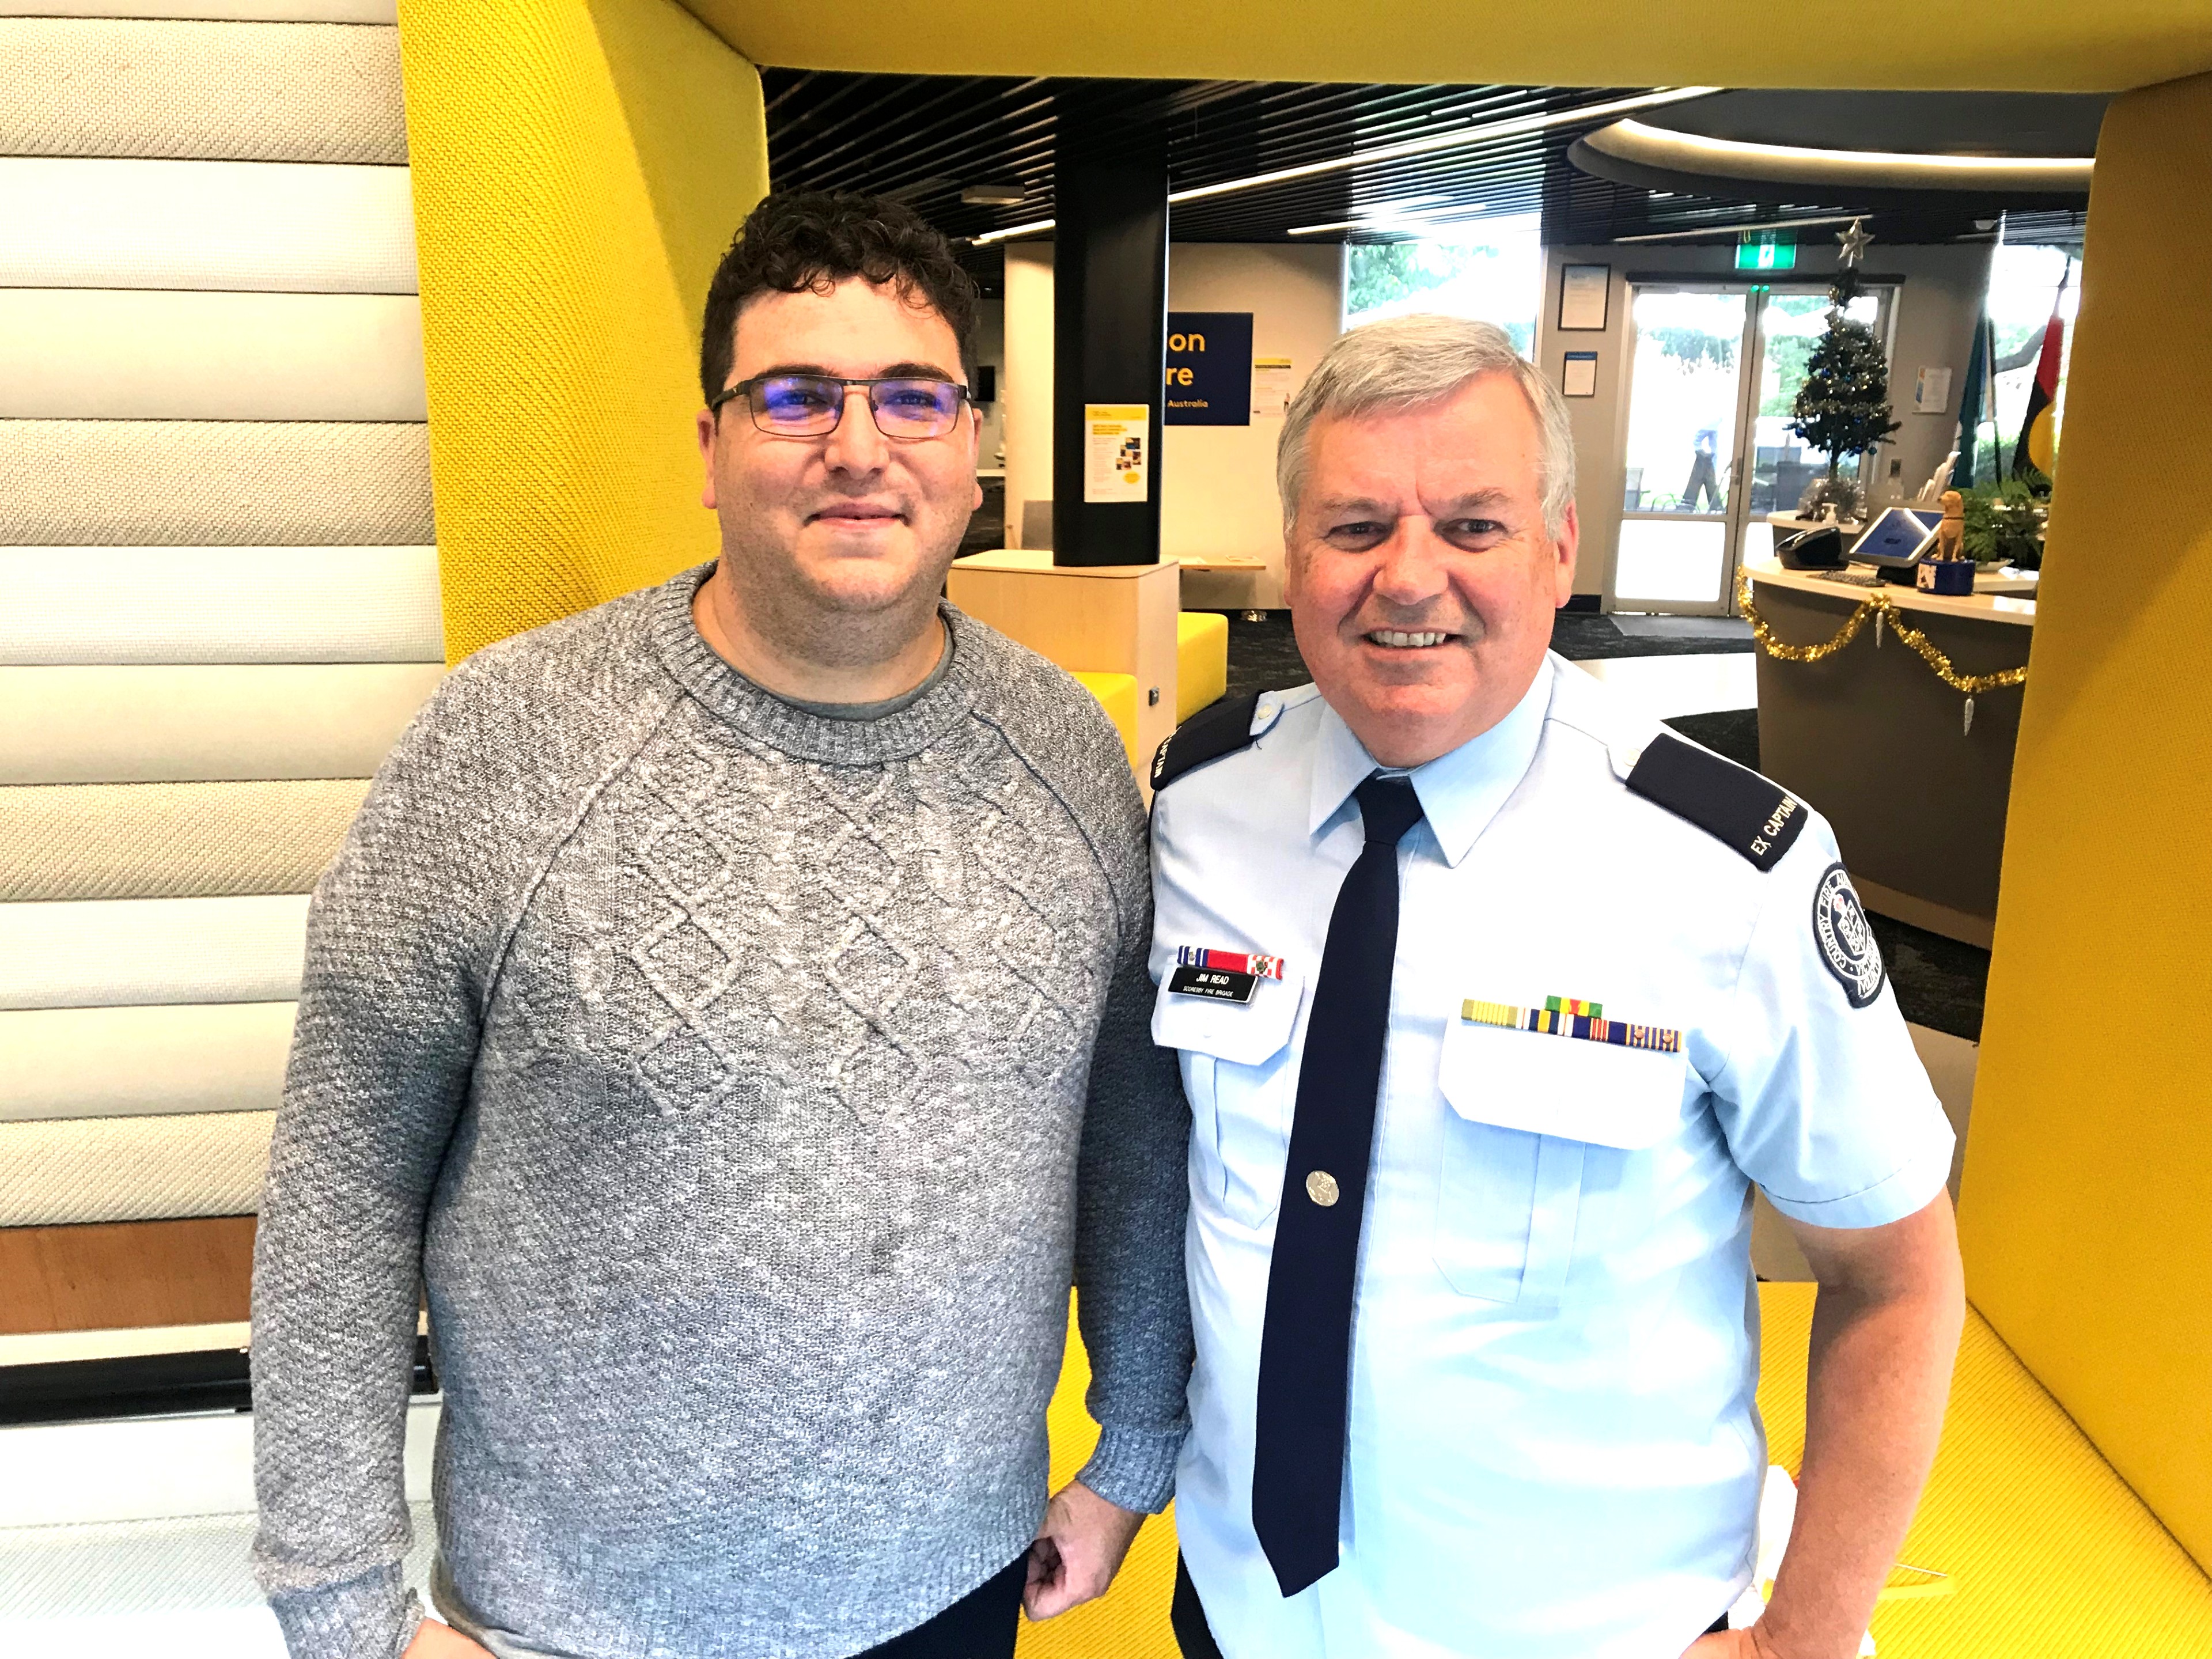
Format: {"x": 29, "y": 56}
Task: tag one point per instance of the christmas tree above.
{"x": 1843, "y": 408}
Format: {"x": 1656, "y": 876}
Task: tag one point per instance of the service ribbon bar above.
{"x": 1568, "y": 1017}
{"x": 1228, "y": 961}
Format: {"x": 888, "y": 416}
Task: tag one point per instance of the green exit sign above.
{"x": 1766, "y": 253}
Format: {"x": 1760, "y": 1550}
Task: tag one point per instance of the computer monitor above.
{"x": 1897, "y": 538}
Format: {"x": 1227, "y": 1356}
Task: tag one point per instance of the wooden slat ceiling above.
{"x": 922, "y": 138}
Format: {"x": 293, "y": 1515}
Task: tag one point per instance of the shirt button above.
{"x": 1321, "y": 1187}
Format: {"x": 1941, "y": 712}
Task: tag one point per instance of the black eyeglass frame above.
{"x": 744, "y": 389}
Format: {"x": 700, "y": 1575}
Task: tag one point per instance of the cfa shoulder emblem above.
{"x": 1847, "y": 942}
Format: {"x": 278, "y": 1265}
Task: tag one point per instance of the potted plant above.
{"x": 2004, "y": 523}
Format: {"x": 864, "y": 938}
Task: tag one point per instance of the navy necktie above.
{"x": 1305, "y": 1347}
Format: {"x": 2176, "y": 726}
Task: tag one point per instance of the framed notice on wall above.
{"x": 1579, "y": 378}
{"x": 1582, "y": 290}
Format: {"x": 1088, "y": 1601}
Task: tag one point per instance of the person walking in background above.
{"x": 729, "y": 1011}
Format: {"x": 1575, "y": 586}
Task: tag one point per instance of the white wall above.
{"x": 1025, "y": 388}
{"x": 1218, "y": 482}
{"x": 1932, "y": 324}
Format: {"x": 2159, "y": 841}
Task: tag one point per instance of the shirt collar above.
{"x": 1461, "y": 792}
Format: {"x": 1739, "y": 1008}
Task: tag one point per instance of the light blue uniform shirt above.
{"x": 1552, "y": 1450}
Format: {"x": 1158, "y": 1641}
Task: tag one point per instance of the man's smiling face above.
{"x": 852, "y": 520}
{"x": 1421, "y": 579}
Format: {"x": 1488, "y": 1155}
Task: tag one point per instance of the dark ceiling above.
{"x": 923, "y": 138}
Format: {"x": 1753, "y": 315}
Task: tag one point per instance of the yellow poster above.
{"x": 1117, "y": 459}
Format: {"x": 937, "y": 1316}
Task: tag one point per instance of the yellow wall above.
{"x": 2087, "y": 1212}
{"x": 579, "y": 168}
{"x": 2059, "y": 46}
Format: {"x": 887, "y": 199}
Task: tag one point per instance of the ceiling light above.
{"x": 993, "y": 195}
{"x": 1798, "y": 164}
{"x": 1033, "y": 226}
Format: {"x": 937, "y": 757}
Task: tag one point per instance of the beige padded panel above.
{"x": 263, "y": 227}
{"x": 111, "y": 953}
{"x": 214, "y": 484}
{"x": 111, "y": 841}
{"x": 76, "y": 354}
{"x": 265, "y": 11}
{"x": 142, "y": 1062}
{"x": 219, "y": 604}
{"x": 245, "y": 92}
{"x": 133, "y": 1169}
{"x": 192, "y": 724}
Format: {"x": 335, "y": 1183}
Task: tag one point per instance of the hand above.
{"x": 1078, "y": 1551}
{"x": 435, "y": 1641}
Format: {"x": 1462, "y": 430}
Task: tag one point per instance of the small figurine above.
{"x": 1951, "y": 534}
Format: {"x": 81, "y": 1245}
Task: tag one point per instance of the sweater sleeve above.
{"x": 1132, "y": 1199}
{"x": 380, "y": 1061}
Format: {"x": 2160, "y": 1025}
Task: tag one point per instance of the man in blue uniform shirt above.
{"x": 1493, "y": 999}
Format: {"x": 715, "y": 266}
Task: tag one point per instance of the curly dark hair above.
{"x": 795, "y": 240}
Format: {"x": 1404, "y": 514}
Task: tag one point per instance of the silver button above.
{"x": 1321, "y": 1187}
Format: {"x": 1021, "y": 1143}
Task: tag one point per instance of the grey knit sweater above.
{"x": 726, "y": 1074}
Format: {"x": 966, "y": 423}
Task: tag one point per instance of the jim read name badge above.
{"x": 1223, "y": 975}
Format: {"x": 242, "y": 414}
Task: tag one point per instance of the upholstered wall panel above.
{"x": 140, "y": 355}
{"x": 187, "y": 725}
{"x": 265, "y": 11}
{"x": 142, "y": 1062}
{"x": 578, "y": 171}
{"x": 214, "y": 484}
{"x": 249, "y": 226}
{"x": 246, "y": 92}
{"x": 219, "y": 604}
{"x": 124, "y": 952}
{"x": 94, "y": 841}
{"x": 133, "y": 1169}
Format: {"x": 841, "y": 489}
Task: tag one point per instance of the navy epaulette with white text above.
{"x": 1751, "y": 814}
{"x": 1222, "y": 729}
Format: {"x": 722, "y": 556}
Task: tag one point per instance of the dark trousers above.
{"x": 1195, "y": 1637}
{"x": 981, "y": 1625}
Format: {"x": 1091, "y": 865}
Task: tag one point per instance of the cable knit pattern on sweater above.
{"x": 726, "y": 1073}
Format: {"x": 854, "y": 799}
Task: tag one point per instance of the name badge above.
{"x": 1221, "y": 984}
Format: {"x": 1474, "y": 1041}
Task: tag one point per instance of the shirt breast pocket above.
{"x": 1238, "y": 1074}
{"x": 1525, "y": 1108}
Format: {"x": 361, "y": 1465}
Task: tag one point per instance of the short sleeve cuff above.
{"x": 1133, "y": 1469}
{"x": 1906, "y": 1192}
{"x": 371, "y": 1617}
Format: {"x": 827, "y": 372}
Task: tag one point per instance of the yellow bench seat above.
{"x": 1201, "y": 660}
{"x": 2048, "y": 1554}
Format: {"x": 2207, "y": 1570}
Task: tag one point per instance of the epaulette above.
{"x": 1751, "y": 814}
{"x": 1205, "y": 736}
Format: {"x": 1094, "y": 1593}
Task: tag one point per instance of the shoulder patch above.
{"x": 1755, "y": 816}
{"x": 1848, "y": 947}
{"x": 1205, "y": 736}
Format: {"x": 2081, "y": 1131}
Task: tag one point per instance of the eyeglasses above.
{"x": 811, "y": 405}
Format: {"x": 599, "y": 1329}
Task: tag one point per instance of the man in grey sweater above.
{"x": 730, "y": 1009}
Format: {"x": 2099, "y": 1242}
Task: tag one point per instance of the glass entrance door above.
{"x": 1714, "y": 371}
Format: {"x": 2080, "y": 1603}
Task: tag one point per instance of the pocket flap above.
{"x": 1575, "y": 1090}
{"x": 1242, "y": 1033}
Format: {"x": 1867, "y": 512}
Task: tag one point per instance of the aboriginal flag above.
{"x": 2038, "y": 433}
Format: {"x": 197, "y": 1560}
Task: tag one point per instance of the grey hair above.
{"x": 1404, "y": 362}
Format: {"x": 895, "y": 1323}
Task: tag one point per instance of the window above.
{"x": 1492, "y": 269}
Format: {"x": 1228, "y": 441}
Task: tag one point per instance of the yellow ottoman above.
{"x": 1201, "y": 660}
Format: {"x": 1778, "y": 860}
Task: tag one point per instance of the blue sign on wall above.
{"x": 1209, "y": 368}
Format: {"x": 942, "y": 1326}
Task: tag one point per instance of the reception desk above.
{"x": 1874, "y": 740}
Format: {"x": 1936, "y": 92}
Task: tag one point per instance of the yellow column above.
{"x": 2087, "y": 1214}
{"x": 579, "y": 168}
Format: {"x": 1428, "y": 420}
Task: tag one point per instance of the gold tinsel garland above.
{"x": 1876, "y": 603}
